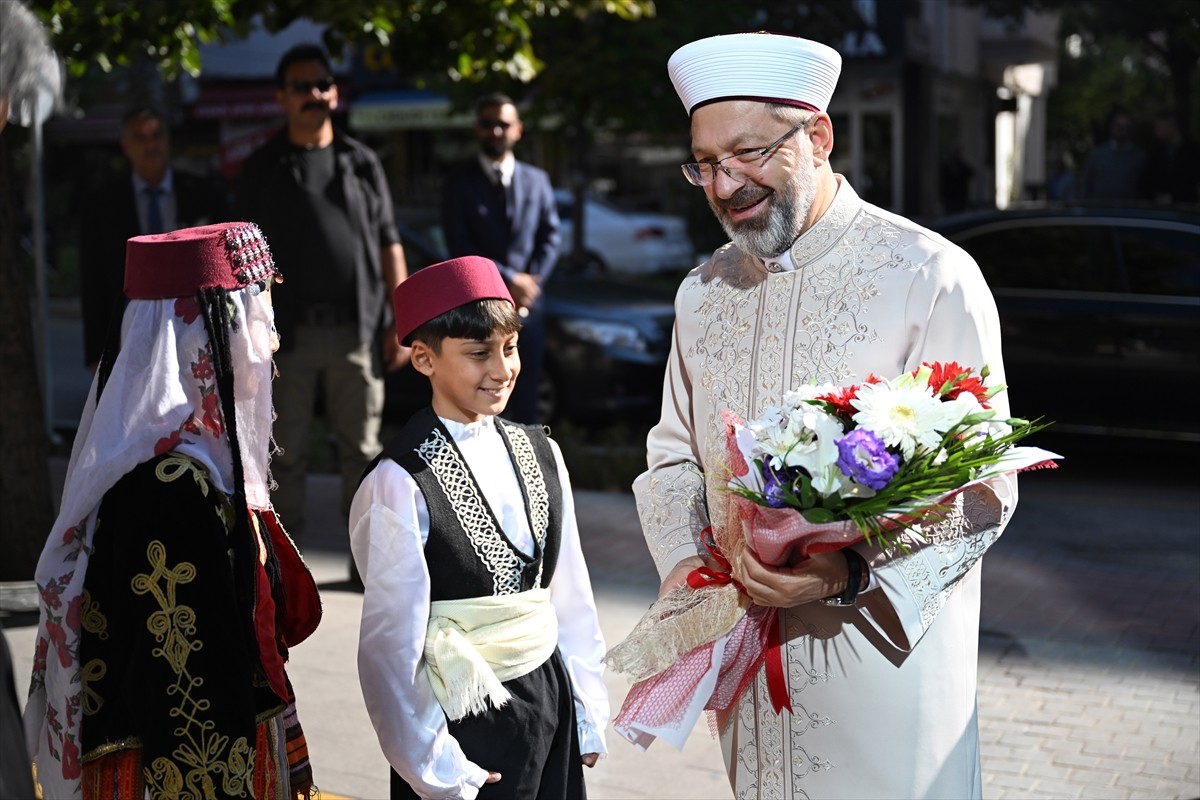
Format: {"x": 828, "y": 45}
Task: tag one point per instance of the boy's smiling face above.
{"x": 471, "y": 378}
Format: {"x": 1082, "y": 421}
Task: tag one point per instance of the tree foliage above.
{"x": 1139, "y": 55}
{"x": 468, "y": 38}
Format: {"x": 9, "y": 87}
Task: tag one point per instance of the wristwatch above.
{"x": 858, "y": 578}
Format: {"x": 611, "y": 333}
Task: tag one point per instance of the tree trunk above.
{"x": 26, "y": 508}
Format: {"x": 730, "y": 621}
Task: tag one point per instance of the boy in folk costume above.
{"x": 480, "y": 652}
{"x": 169, "y": 592}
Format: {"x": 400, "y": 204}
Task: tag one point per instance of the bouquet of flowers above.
{"x": 831, "y": 467}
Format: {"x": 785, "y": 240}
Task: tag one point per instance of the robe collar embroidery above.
{"x": 830, "y": 229}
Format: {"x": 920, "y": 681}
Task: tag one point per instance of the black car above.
{"x": 1100, "y": 314}
{"x": 607, "y": 341}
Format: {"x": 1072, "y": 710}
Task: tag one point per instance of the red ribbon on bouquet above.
{"x": 701, "y": 577}
{"x": 777, "y": 687}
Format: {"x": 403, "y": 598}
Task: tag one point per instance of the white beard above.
{"x": 783, "y": 222}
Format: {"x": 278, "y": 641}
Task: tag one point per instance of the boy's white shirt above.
{"x": 389, "y": 525}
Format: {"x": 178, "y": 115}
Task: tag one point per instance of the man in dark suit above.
{"x": 503, "y": 209}
{"x": 151, "y": 198}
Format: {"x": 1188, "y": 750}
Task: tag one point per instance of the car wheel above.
{"x": 593, "y": 264}
{"x": 590, "y": 264}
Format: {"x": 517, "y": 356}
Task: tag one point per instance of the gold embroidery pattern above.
{"x": 93, "y": 621}
{"x": 92, "y": 618}
{"x": 208, "y": 754}
{"x": 177, "y": 465}
{"x": 92, "y": 672}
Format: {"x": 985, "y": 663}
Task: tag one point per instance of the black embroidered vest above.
{"x": 467, "y": 553}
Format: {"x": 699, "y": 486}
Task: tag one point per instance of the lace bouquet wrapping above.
{"x": 831, "y": 467}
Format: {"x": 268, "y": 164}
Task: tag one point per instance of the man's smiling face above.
{"x": 762, "y": 216}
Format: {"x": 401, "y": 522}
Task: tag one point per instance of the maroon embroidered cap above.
{"x": 434, "y": 290}
{"x": 227, "y": 255}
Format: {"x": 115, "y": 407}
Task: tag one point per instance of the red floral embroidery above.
{"x": 167, "y": 443}
{"x": 70, "y": 759}
{"x": 58, "y": 638}
{"x": 75, "y": 612}
{"x": 212, "y": 414}
{"x": 187, "y": 309}
{"x": 52, "y": 591}
{"x": 39, "y": 656}
{"x": 203, "y": 369}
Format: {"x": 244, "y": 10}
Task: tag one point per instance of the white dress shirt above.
{"x": 166, "y": 202}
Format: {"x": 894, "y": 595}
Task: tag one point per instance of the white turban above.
{"x": 767, "y": 67}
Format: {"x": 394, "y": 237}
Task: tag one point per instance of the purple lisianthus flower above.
{"x": 864, "y": 457}
{"x": 774, "y": 483}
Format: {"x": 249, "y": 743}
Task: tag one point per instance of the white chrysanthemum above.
{"x": 907, "y": 417}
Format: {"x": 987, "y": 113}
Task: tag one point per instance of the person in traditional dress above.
{"x": 480, "y": 654}
{"x": 169, "y": 592}
{"x": 879, "y": 646}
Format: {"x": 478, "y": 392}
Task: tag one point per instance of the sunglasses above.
{"x": 322, "y": 85}
{"x": 490, "y": 124}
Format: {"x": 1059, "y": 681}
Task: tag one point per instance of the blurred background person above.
{"x": 323, "y": 202}
{"x": 24, "y": 59}
{"x": 1115, "y": 169}
{"x": 954, "y": 181}
{"x": 503, "y": 209}
{"x": 150, "y": 196}
{"x": 1173, "y": 166}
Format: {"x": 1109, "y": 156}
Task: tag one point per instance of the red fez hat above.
{"x": 228, "y": 255}
{"x": 434, "y": 290}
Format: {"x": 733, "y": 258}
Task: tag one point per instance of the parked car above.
{"x": 1100, "y": 314}
{"x": 607, "y": 340}
{"x": 619, "y": 240}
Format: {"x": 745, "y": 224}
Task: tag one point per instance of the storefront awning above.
{"x": 405, "y": 110}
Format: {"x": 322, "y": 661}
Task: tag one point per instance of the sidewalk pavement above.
{"x": 1089, "y": 667}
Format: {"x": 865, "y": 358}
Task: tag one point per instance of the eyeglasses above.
{"x": 749, "y": 163}
{"x": 322, "y": 85}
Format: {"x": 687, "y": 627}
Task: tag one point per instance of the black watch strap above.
{"x": 856, "y": 568}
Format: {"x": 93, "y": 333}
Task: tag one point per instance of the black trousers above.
{"x": 533, "y": 742}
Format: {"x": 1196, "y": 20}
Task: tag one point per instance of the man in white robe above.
{"x": 819, "y": 286}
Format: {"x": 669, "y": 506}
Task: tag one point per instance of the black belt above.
{"x": 325, "y": 314}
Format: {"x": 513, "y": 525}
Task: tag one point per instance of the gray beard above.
{"x": 783, "y": 223}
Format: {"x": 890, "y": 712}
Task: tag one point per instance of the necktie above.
{"x": 154, "y": 221}
{"x": 505, "y": 190}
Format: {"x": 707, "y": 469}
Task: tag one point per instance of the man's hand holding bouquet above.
{"x": 832, "y": 467}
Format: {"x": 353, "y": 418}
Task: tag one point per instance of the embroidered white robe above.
{"x": 884, "y": 693}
